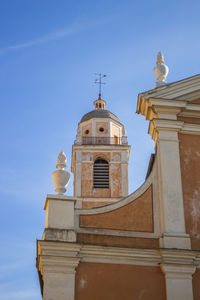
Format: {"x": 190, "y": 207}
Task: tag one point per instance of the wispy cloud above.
{"x": 44, "y": 39}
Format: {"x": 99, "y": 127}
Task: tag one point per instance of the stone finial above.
{"x": 61, "y": 177}
{"x": 160, "y": 70}
{"x": 61, "y": 161}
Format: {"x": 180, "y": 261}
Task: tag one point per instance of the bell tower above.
{"x": 100, "y": 157}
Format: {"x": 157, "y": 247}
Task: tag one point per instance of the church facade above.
{"x": 104, "y": 243}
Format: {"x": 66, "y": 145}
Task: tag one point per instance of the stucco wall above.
{"x": 101, "y": 281}
{"x": 103, "y": 125}
{"x": 87, "y": 127}
{"x": 119, "y": 241}
{"x": 190, "y": 171}
{"x": 115, "y": 130}
{"x": 137, "y": 215}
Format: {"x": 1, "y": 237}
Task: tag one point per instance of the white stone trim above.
{"x": 178, "y": 279}
{"x": 170, "y": 185}
{"x": 74, "y": 253}
{"x": 57, "y": 262}
{"x": 172, "y": 125}
{"x": 175, "y": 89}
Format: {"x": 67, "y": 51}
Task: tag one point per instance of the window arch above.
{"x": 101, "y": 174}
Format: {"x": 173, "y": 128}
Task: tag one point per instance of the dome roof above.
{"x": 99, "y": 113}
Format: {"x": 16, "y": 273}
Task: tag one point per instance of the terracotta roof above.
{"x": 99, "y": 113}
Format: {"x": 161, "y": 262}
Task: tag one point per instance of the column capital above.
{"x": 161, "y": 129}
{"x": 172, "y": 270}
{"x": 57, "y": 257}
{"x": 178, "y": 279}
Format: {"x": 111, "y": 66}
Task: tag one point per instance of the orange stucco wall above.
{"x": 119, "y": 241}
{"x": 87, "y": 127}
{"x": 190, "y": 172}
{"x": 136, "y": 216}
{"x": 197, "y": 101}
{"x": 104, "y": 125}
{"x": 190, "y": 120}
{"x": 115, "y": 179}
{"x": 100, "y": 281}
{"x": 196, "y": 284}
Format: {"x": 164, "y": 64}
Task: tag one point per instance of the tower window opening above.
{"x": 101, "y": 174}
{"x": 101, "y": 129}
{"x": 87, "y": 131}
{"x": 99, "y": 105}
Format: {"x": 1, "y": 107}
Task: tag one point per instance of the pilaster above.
{"x": 124, "y": 174}
{"x": 57, "y": 264}
{"x": 178, "y": 280}
{"x": 165, "y": 133}
{"x": 78, "y": 173}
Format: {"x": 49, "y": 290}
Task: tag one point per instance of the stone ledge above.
{"x": 61, "y": 235}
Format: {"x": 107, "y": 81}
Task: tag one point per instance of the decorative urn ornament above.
{"x": 160, "y": 70}
{"x": 61, "y": 177}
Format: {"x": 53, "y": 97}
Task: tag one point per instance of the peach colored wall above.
{"x": 190, "y": 172}
{"x": 196, "y": 284}
{"x": 104, "y": 155}
{"x": 115, "y": 180}
{"x": 104, "y": 125}
{"x": 87, "y": 156}
{"x": 87, "y": 127}
{"x": 137, "y": 216}
{"x": 99, "y": 281}
{"x": 108, "y": 240}
{"x": 116, "y": 156}
{"x": 86, "y": 179}
{"x": 196, "y": 101}
{"x": 191, "y": 120}
{"x": 115, "y": 130}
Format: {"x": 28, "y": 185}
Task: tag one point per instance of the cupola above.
{"x": 100, "y": 157}
{"x": 100, "y": 103}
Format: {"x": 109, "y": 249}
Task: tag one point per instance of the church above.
{"x": 103, "y": 243}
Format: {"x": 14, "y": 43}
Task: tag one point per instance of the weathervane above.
{"x": 98, "y": 81}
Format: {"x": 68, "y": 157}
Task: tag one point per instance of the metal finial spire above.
{"x": 99, "y": 82}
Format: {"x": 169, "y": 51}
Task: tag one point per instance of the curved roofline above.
{"x": 100, "y": 114}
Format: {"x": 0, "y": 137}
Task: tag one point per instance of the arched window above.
{"x": 101, "y": 174}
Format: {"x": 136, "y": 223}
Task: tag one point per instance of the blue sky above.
{"x": 49, "y": 52}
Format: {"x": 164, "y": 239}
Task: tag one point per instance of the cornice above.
{"x": 101, "y": 147}
{"x": 55, "y": 254}
{"x": 170, "y": 108}
{"x": 157, "y": 126}
{"x": 174, "y": 89}
{"x": 58, "y": 197}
